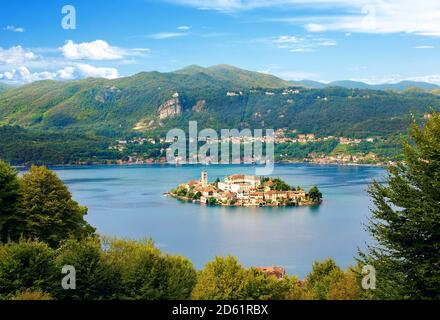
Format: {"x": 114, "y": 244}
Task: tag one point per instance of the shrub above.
{"x": 27, "y": 265}
{"x": 31, "y": 295}
{"x": 147, "y": 274}
{"x": 221, "y": 279}
{"x": 226, "y": 279}
{"x": 96, "y": 279}
{"x": 324, "y": 274}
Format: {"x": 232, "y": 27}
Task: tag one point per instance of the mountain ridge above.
{"x": 244, "y": 79}
{"x": 350, "y": 84}
{"x": 237, "y": 76}
{"x": 217, "y": 97}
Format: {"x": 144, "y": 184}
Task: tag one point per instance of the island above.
{"x": 245, "y": 191}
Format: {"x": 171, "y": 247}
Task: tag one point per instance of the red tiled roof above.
{"x": 278, "y": 272}
{"x": 236, "y": 176}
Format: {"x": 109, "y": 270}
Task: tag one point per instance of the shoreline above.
{"x": 25, "y": 167}
{"x": 186, "y": 199}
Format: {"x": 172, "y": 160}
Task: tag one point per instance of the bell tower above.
{"x": 204, "y": 179}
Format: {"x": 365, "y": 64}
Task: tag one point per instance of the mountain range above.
{"x": 217, "y": 97}
{"x": 349, "y": 84}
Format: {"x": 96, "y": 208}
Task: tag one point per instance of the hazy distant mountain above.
{"x": 309, "y": 84}
{"x": 349, "y": 84}
{"x": 3, "y": 87}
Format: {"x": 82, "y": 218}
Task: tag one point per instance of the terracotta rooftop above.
{"x": 236, "y": 176}
{"x": 278, "y": 272}
{"x": 276, "y": 192}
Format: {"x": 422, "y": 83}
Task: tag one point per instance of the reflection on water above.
{"x": 129, "y": 202}
{"x": 88, "y": 180}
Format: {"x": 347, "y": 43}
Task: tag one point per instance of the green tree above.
{"x": 296, "y": 290}
{"x": 198, "y": 195}
{"x": 226, "y": 279}
{"x": 182, "y": 278}
{"x": 348, "y": 287}
{"x": 27, "y": 265}
{"x": 259, "y": 286}
{"x": 405, "y": 221}
{"x": 280, "y": 185}
{"x": 96, "y": 278}
{"x": 10, "y": 224}
{"x": 48, "y": 210}
{"x": 182, "y": 192}
{"x": 221, "y": 279}
{"x": 314, "y": 194}
{"x": 323, "y": 276}
{"x": 148, "y": 274}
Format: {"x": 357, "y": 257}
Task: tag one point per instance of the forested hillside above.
{"x": 86, "y": 115}
{"x": 214, "y": 97}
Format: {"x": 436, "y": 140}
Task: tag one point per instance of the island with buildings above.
{"x": 246, "y": 191}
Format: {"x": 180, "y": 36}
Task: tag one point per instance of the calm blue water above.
{"x": 128, "y": 202}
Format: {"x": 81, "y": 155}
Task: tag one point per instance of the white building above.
{"x": 239, "y": 182}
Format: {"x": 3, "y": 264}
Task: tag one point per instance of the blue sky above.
{"x": 374, "y": 41}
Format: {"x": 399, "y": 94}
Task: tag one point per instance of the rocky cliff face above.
{"x": 199, "y": 106}
{"x": 170, "y": 108}
{"x": 107, "y": 94}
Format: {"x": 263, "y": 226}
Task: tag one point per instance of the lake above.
{"x": 128, "y": 201}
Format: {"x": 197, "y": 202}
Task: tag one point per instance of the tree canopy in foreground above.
{"x": 405, "y": 222}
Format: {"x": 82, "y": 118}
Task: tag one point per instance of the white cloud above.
{"x": 224, "y": 5}
{"x": 425, "y": 47}
{"x": 167, "y": 35}
{"x": 14, "y": 29}
{"x": 184, "y": 28}
{"x": 388, "y": 16}
{"x": 313, "y": 27}
{"x": 364, "y": 16}
{"x": 96, "y": 50}
{"x": 433, "y": 78}
{"x": 16, "y": 55}
{"x": 301, "y": 44}
{"x": 140, "y": 50}
{"x": 86, "y": 70}
{"x": 22, "y": 75}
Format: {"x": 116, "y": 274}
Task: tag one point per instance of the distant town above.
{"x": 246, "y": 191}
{"x": 283, "y": 136}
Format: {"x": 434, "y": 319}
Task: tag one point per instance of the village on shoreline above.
{"x": 245, "y": 191}
{"x": 284, "y": 137}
